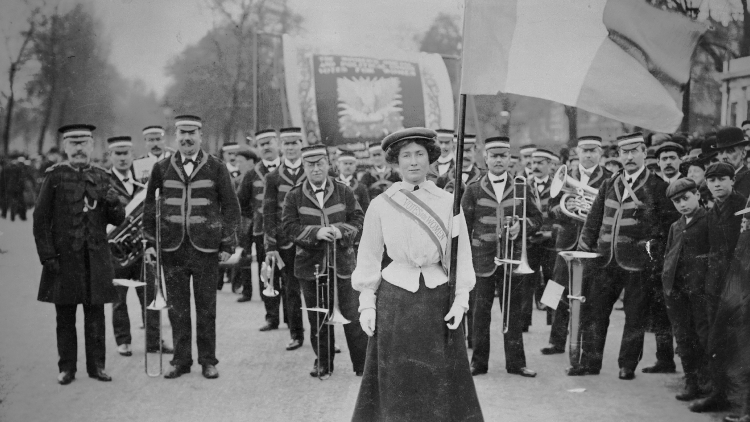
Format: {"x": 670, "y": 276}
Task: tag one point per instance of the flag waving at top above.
{"x": 622, "y": 59}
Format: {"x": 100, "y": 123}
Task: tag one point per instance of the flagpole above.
{"x": 457, "y": 193}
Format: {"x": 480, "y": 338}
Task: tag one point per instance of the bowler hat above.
{"x": 728, "y": 137}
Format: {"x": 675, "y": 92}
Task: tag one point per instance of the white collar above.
{"x": 164, "y": 154}
{"x": 445, "y": 160}
{"x": 193, "y": 157}
{"x": 346, "y": 179}
{"x": 582, "y": 170}
{"x": 292, "y": 165}
{"x": 739, "y": 168}
{"x": 275, "y": 162}
{"x": 128, "y": 175}
{"x": 541, "y": 181}
{"x": 668, "y": 180}
{"x": 380, "y": 169}
{"x": 427, "y": 185}
{"x": 468, "y": 170}
{"x": 635, "y": 175}
{"x": 323, "y": 186}
{"x": 232, "y": 167}
{"x": 493, "y": 178}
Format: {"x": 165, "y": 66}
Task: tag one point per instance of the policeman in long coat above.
{"x": 627, "y": 226}
{"x": 74, "y": 206}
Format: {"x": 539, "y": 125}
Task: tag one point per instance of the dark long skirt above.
{"x": 413, "y": 372}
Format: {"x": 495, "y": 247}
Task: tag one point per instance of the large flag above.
{"x": 622, "y": 59}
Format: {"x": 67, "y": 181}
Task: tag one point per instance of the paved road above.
{"x": 260, "y": 381}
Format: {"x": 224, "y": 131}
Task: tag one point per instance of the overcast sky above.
{"x": 146, "y": 34}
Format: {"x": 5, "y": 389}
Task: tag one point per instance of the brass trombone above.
{"x": 523, "y": 267}
{"x": 159, "y": 303}
{"x": 327, "y": 311}
{"x": 267, "y": 275}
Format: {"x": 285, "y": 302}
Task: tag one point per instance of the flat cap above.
{"x": 679, "y": 186}
{"x": 410, "y": 134}
{"x": 719, "y": 169}
{"x": 669, "y": 146}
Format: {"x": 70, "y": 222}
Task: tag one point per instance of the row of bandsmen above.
{"x": 200, "y": 217}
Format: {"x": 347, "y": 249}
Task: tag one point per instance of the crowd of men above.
{"x": 661, "y": 221}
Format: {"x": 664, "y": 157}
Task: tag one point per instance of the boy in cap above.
{"x": 723, "y": 232}
{"x": 683, "y": 278}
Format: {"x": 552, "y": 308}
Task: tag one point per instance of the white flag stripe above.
{"x": 548, "y": 28}
{"x": 488, "y": 31}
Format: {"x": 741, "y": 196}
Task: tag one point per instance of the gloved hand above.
{"x": 367, "y": 321}
{"x": 52, "y": 265}
{"x": 456, "y": 313}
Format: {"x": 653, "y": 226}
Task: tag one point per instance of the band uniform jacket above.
{"x": 166, "y": 154}
{"x": 303, "y": 217}
{"x": 378, "y": 183}
{"x": 434, "y": 172}
{"x": 360, "y": 192}
{"x": 542, "y": 200}
{"x": 485, "y": 220}
{"x": 687, "y": 253}
{"x": 201, "y": 209}
{"x": 278, "y": 184}
{"x": 629, "y": 234}
{"x": 724, "y": 230}
{"x": 569, "y": 229}
{"x": 70, "y": 222}
{"x": 250, "y": 196}
{"x": 447, "y": 181}
{"x": 742, "y": 181}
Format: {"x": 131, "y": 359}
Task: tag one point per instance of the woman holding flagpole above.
{"x": 416, "y": 367}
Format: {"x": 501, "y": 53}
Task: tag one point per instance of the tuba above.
{"x": 575, "y": 300}
{"x": 583, "y": 195}
{"x": 125, "y": 239}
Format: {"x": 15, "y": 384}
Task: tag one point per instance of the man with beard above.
{"x": 447, "y": 160}
{"x": 199, "y": 218}
{"x": 469, "y": 172}
{"x": 121, "y": 176}
{"x": 277, "y": 244}
{"x": 730, "y": 145}
{"x": 380, "y": 176}
{"x": 590, "y": 173}
{"x": 153, "y": 137}
{"x": 251, "y": 204}
{"x": 320, "y": 214}
{"x": 75, "y": 204}
{"x": 486, "y": 205}
{"x": 347, "y": 164}
{"x": 627, "y": 227}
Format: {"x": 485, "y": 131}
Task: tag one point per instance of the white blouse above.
{"x": 410, "y": 246}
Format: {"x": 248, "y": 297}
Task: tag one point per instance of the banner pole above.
{"x": 457, "y": 193}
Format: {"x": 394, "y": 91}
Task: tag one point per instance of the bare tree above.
{"x": 17, "y": 62}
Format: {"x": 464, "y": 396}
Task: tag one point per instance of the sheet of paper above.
{"x": 127, "y": 283}
{"x": 552, "y": 294}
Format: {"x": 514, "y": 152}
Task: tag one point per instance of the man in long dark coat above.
{"x": 74, "y": 206}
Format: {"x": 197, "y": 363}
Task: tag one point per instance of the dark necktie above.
{"x": 502, "y": 180}
{"x": 416, "y": 188}
{"x": 317, "y": 191}
{"x": 271, "y": 167}
{"x": 126, "y": 180}
{"x": 189, "y": 160}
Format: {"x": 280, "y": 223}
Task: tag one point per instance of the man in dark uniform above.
{"x": 380, "y": 176}
{"x": 251, "y": 204}
{"x": 229, "y": 157}
{"x": 447, "y": 161}
{"x": 627, "y": 226}
{"x": 486, "y": 204}
{"x": 199, "y": 218}
{"x": 277, "y": 244}
{"x": 730, "y": 144}
{"x": 469, "y": 171}
{"x": 317, "y": 213}
{"x": 121, "y": 176}
{"x": 526, "y": 160}
{"x": 541, "y": 246}
{"x": 590, "y": 173}
{"x": 74, "y": 206}
{"x": 347, "y": 164}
